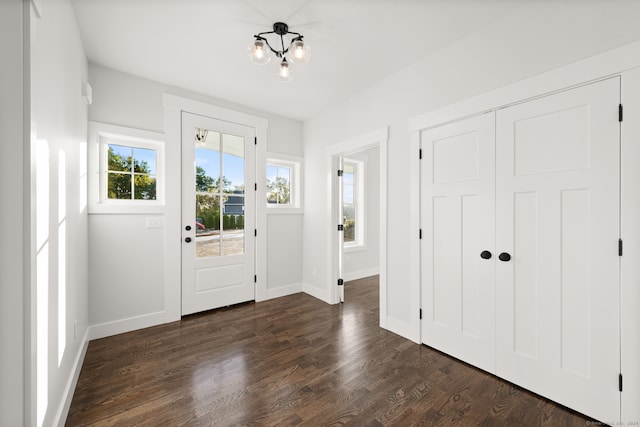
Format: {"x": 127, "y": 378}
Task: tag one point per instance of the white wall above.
{"x": 59, "y": 247}
{"x": 553, "y": 34}
{"x": 126, "y": 100}
{"x": 12, "y": 223}
{"x": 364, "y": 262}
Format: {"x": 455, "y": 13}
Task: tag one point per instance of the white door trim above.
{"x": 376, "y": 138}
{"x": 173, "y": 108}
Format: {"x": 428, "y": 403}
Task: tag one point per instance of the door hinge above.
{"x": 420, "y": 314}
{"x": 420, "y": 154}
{"x": 420, "y": 233}
{"x": 255, "y": 279}
{"x": 340, "y": 227}
{"x": 255, "y": 140}
{"x": 619, "y": 247}
{"x": 340, "y": 282}
{"x": 620, "y": 112}
{"x": 620, "y": 382}
{"x": 340, "y": 172}
{"x": 255, "y": 232}
{"x": 255, "y": 186}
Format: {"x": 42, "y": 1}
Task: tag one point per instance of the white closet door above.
{"x": 457, "y": 209}
{"x": 557, "y": 215}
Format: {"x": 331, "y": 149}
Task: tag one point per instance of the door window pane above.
{"x": 219, "y": 186}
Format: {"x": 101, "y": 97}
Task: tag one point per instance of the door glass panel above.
{"x": 207, "y": 180}
{"x": 219, "y": 186}
{"x": 232, "y": 234}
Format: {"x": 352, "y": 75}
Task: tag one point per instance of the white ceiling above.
{"x": 202, "y": 45}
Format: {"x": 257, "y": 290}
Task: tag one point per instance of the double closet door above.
{"x": 520, "y": 212}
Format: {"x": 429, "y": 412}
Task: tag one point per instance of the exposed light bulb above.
{"x": 299, "y": 52}
{"x": 284, "y": 71}
{"x": 259, "y": 52}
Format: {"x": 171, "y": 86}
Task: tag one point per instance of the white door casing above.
{"x": 457, "y": 205}
{"x": 557, "y": 215}
{"x": 218, "y": 264}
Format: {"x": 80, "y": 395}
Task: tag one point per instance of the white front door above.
{"x": 457, "y": 245}
{"x": 218, "y": 215}
{"x": 557, "y": 217}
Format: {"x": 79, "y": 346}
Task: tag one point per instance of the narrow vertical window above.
{"x": 278, "y": 185}
{"x": 350, "y": 206}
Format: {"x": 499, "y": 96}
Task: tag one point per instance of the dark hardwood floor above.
{"x": 293, "y": 361}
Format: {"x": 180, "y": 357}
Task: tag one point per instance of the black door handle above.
{"x": 187, "y": 239}
{"x": 188, "y": 228}
{"x": 504, "y": 257}
{"x": 485, "y": 255}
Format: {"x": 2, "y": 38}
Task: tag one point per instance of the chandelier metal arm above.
{"x": 281, "y": 30}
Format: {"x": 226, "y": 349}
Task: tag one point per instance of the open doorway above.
{"x": 361, "y": 214}
{"x": 359, "y": 207}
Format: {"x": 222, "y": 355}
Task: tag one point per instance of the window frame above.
{"x": 294, "y": 164}
{"x": 102, "y": 135}
{"x": 359, "y": 243}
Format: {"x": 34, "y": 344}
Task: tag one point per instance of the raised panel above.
{"x": 575, "y": 282}
{"x": 552, "y": 142}
{"x": 442, "y": 274}
{"x": 470, "y": 304}
{"x": 219, "y": 277}
{"x": 525, "y": 280}
{"x": 455, "y": 158}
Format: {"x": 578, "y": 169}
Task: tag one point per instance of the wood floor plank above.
{"x": 293, "y": 361}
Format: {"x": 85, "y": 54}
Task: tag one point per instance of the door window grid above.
{"x": 219, "y": 185}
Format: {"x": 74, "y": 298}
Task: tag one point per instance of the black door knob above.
{"x": 187, "y": 239}
{"x": 504, "y": 257}
{"x": 188, "y": 228}
{"x": 485, "y": 255}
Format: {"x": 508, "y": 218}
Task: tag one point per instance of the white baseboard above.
{"x": 63, "y": 410}
{"x": 321, "y": 294}
{"x": 285, "y": 290}
{"x": 360, "y": 274}
{"x": 116, "y": 327}
{"x": 405, "y": 330}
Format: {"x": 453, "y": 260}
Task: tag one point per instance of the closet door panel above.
{"x": 557, "y": 215}
{"x": 457, "y": 221}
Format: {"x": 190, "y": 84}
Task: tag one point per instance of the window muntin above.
{"x": 131, "y": 173}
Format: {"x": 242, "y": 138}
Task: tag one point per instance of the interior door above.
{"x": 457, "y": 209}
{"x": 340, "y": 206}
{"x": 557, "y": 179}
{"x": 218, "y": 215}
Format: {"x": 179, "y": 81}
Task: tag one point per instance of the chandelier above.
{"x": 296, "y": 50}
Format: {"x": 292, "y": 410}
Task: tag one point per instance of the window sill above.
{"x": 105, "y": 208}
